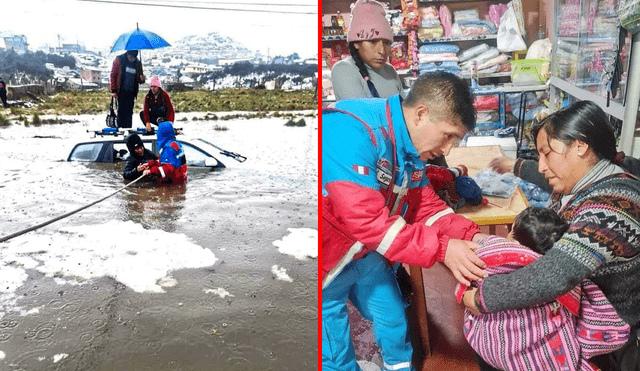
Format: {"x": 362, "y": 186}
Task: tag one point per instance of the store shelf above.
{"x": 344, "y": 37}
{"x": 454, "y": 39}
{"x": 614, "y": 108}
{"x": 487, "y": 75}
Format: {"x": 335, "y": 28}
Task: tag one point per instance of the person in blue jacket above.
{"x": 172, "y": 167}
{"x": 378, "y": 205}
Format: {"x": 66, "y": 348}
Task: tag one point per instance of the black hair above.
{"x": 584, "y": 121}
{"x": 446, "y": 95}
{"x": 538, "y": 228}
{"x": 362, "y": 68}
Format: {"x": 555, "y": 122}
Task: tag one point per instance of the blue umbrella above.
{"x": 139, "y": 39}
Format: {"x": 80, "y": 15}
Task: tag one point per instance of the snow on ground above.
{"x": 281, "y": 273}
{"x": 300, "y": 242}
{"x": 139, "y": 258}
{"x": 221, "y": 292}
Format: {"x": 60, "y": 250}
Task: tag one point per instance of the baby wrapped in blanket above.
{"x": 559, "y": 335}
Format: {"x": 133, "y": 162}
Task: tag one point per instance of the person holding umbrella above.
{"x": 126, "y": 74}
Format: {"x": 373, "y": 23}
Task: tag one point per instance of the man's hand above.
{"x": 469, "y": 300}
{"x": 146, "y": 172}
{"x": 463, "y": 262}
{"x": 140, "y": 167}
{"x": 148, "y": 126}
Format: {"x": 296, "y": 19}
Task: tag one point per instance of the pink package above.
{"x": 495, "y": 12}
{"x": 445, "y": 20}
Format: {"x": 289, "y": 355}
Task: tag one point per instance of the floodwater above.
{"x": 219, "y": 274}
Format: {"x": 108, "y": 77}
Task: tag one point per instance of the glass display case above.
{"x": 590, "y": 56}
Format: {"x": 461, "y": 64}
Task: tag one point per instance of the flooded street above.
{"x": 218, "y": 274}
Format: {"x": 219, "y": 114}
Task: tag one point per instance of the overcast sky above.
{"x": 98, "y": 23}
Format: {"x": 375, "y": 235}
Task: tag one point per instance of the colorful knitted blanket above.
{"x": 560, "y": 335}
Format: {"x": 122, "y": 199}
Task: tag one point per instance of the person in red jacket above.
{"x": 126, "y": 74}
{"x": 157, "y": 105}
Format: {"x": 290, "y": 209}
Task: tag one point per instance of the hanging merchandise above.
{"x": 629, "y": 13}
{"x": 411, "y": 22}
{"x": 509, "y": 36}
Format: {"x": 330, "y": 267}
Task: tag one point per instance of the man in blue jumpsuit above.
{"x": 377, "y": 204}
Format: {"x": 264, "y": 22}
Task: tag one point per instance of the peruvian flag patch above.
{"x": 362, "y": 170}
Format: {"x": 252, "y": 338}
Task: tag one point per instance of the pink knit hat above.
{"x": 155, "y": 81}
{"x": 368, "y": 22}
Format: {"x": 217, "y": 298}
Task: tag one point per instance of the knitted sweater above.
{"x": 602, "y": 244}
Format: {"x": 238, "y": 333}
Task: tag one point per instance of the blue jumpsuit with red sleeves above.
{"x": 172, "y": 166}
{"x": 376, "y": 202}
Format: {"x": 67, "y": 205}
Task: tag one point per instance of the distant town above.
{"x": 208, "y": 62}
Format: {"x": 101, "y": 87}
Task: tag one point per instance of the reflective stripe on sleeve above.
{"x": 162, "y": 175}
{"x": 437, "y": 216}
{"x": 391, "y": 234}
{"x": 346, "y": 259}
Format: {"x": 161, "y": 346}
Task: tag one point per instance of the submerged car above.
{"x": 111, "y": 148}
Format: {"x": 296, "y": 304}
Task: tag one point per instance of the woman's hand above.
{"x": 469, "y": 300}
{"x": 502, "y": 164}
{"x": 465, "y": 265}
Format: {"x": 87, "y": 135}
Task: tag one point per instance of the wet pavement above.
{"x": 254, "y": 308}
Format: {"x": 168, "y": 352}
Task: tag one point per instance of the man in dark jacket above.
{"x": 126, "y": 74}
{"x": 138, "y": 158}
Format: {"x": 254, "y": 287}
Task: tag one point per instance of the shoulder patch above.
{"x": 175, "y": 146}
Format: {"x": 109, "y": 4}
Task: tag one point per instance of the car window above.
{"x": 195, "y": 157}
{"x": 120, "y": 151}
{"x": 86, "y": 152}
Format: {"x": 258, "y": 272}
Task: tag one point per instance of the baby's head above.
{"x": 538, "y": 228}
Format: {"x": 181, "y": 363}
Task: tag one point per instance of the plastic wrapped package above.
{"x": 467, "y": 14}
{"x": 494, "y": 184}
{"x": 473, "y": 51}
{"x": 445, "y": 19}
{"x": 438, "y": 48}
{"x": 495, "y": 12}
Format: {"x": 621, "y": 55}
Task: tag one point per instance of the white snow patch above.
{"x": 2, "y": 356}
{"x": 125, "y": 251}
{"x": 281, "y": 273}
{"x": 300, "y": 242}
{"x": 59, "y": 357}
{"x": 219, "y": 291}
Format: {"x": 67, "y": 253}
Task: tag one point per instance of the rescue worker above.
{"x": 172, "y": 167}
{"x": 377, "y": 204}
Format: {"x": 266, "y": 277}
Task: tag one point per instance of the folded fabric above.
{"x": 428, "y": 23}
{"x": 496, "y": 11}
{"x": 480, "y": 23}
{"x": 445, "y": 19}
{"x": 468, "y": 14}
{"x": 426, "y": 58}
{"x": 472, "y": 52}
{"x": 438, "y": 48}
{"x": 458, "y": 30}
{"x": 483, "y": 57}
{"x": 493, "y": 61}
{"x": 430, "y": 33}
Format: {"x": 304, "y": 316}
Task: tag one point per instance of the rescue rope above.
{"x": 8, "y": 237}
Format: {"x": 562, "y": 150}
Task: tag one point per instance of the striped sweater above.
{"x": 559, "y": 335}
{"x": 602, "y": 244}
